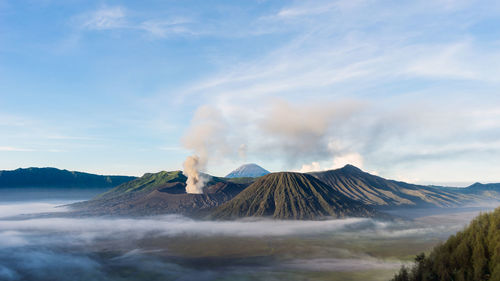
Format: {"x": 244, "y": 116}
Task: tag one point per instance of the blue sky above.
{"x": 407, "y": 90}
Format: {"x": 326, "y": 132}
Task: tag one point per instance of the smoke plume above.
{"x": 294, "y": 132}
{"x": 206, "y": 137}
{"x": 308, "y": 132}
{"x": 195, "y": 180}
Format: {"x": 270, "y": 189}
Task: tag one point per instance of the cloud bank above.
{"x": 100, "y": 248}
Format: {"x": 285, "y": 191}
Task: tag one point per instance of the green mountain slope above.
{"x": 55, "y": 178}
{"x": 376, "y": 191}
{"x": 148, "y": 182}
{"x": 470, "y": 255}
{"x": 289, "y": 195}
{"x": 161, "y": 193}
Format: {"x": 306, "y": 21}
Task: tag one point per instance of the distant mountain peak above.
{"x": 250, "y": 170}
{"x": 484, "y": 187}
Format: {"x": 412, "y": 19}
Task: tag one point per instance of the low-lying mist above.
{"x": 173, "y": 247}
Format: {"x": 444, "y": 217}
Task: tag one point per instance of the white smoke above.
{"x": 293, "y": 132}
{"x": 309, "y": 133}
{"x": 242, "y": 151}
{"x": 207, "y": 138}
{"x": 195, "y": 180}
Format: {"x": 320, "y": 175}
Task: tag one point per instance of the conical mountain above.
{"x": 161, "y": 193}
{"x": 288, "y": 195}
{"x": 376, "y": 191}
{"x": 248, "y": 171}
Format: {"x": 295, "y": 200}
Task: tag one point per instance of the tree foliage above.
{"x": 471, "y": 255}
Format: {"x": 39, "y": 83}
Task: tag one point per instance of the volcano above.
{"x": 288, "y": 195}
{"x": 248, "y": 171}
{"x": 161, "y": 193}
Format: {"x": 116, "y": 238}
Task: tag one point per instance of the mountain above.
{"x": 376, "y": 191}
{"x": 248, "y": 171}
{"x": 288, "y": 195}
{"x": 161, "y": 193}
{"x": 489, "y": 190}
{"x": 55, "y": 178}
{"x": 484, "y": 186}
{"x": 482, "y": 192}
{"x": 471, "y": 255}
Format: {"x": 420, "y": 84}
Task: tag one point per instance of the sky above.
{"x": 407, "y": 90}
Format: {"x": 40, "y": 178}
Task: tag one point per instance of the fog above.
{"x": 52, "y": 247}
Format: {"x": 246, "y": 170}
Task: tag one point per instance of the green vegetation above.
{"x": 472, "y": 254}
{"x": 288, "y": 195}
{"x": 161, "y": 193}
{"x": 146, "y": 183}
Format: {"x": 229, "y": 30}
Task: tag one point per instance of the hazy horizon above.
{"x": 445, "y": 183}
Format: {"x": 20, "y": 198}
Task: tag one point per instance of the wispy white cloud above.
{"x": 164, "y": 28}
{"x": 456, "y": 60}
{"x": 339, "y": 43}
{"x": 104, "y": 18}
{"x": 304, "y": 9}
{"x": 396, "y": 57}
{"x": 119, "y": 18}
{"x": 15, "y": 149}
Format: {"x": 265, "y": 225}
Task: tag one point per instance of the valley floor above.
{"x": 178, "y": 248}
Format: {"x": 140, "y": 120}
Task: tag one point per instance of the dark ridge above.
{"x": 376, "y": 191}
{"x": 56, "y": 178}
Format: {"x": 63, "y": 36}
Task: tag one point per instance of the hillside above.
{"x": 471, "y": 255}
{"x": 161, "y": 193}
{"x": 376, "y": 191}
{"x": 248, "y": 171}
{"x": 55, "y": 178}
{"x": 289, "y": 195}
{"x": 489, "y": 190}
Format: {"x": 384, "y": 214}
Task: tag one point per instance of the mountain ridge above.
{"x": 377, "y": 191}
{"x": 57, "y": 178}
{"x": 160, "y": 193}
{"x": 289, "y": 196}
